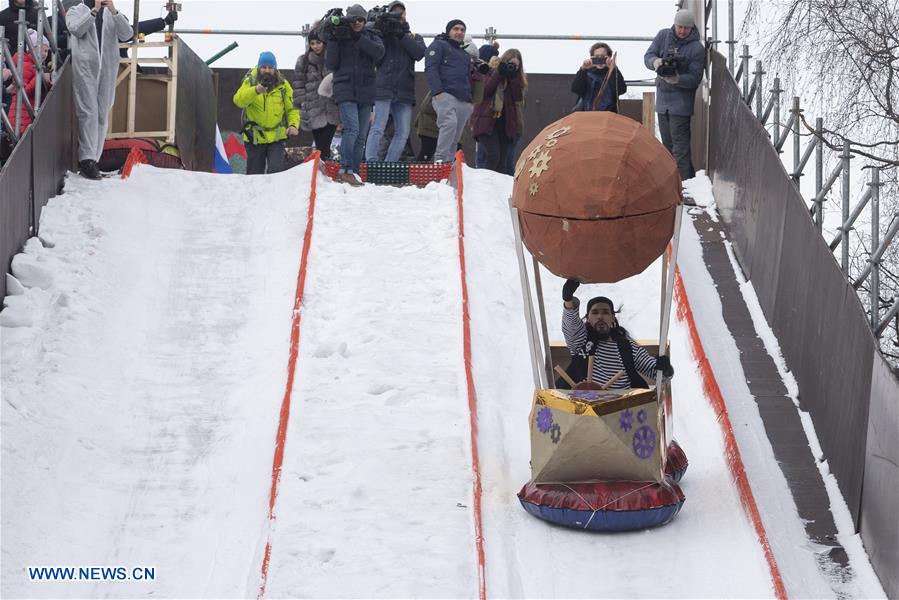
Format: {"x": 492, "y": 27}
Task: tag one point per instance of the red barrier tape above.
{"x": 281, "y": 438}
{"x": 136, "y": 156}
{"x": 472, "y": 394}
{"x": 734, "y": 460}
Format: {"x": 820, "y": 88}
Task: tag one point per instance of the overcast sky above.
{"x": 592, "y": 20}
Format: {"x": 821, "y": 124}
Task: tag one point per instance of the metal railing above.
{"x": 768, "y": 111}
{"x": 48, "y": 28}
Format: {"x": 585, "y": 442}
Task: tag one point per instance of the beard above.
{"x": 601, "y": 331}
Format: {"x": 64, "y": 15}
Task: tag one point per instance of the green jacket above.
{"x": 266, "y": 116}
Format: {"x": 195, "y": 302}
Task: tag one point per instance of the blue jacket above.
{"x": 353, "y": 63}
{"x": 677, "y": 99}
{"x": 448, "y": 68}
{"x": 396, "y": 72}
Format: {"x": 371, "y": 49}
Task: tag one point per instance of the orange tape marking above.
{"x": 472, "y": 393}
{"x": 136, "y": 156}
{"x": 732, "y": 451}
{"x": 281, "y": 438}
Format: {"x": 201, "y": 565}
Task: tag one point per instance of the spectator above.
{"x": 498, "y": 119}
{"x": 318, "y": 113}
{"x": 269, "y": 115}
{"x": 599, "y": 83}
{"x": 395, "y": 93}
{"x": 599, "y": 334}
{"x": 351, "y": 54}
{"x": 486, "y": 53}
{"x": 30, "y": 79}
{"x": 677, "y": 56}
{"x": 448, "y": 70}
{"x": 9, "y": 16}
{"x": 95, "y": 62}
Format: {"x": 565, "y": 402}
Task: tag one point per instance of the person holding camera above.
{"x": 351, "y": 53}
{"x": 395, "y": 82}
{"x": 318, "y": 113}
{"x": 268, "y": 117}
{"x": 448, "y": 69}
{"x": 95, "y": 29}
{"x": 498, "y": 118}
{"x": 678, "y": 58}
{"x": 599, "y": 83}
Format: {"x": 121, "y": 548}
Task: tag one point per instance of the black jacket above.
{"x": 353, "y": 63}
{"x": 396, "y": 71}
{"x": 9, "y": 16}
{"x": 586, "y": 85}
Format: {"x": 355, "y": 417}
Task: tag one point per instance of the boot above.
{"x": 89, "y": 169}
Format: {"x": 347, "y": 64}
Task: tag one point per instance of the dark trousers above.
{"x": 428, "y": 145}
{"x": 323, "y": 137}
{"x": 260, "y": 155}
{"x": 497, "y": 147}
{"x": 675, "y": 132}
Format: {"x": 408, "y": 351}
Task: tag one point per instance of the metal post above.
{"x": 759, "y": 109}
{"x": 744, "y": 62}
{"x": 668, "y": 298}
{"x": 776, "y": 92}
{"x": 547, "y": 351}
{"x": 875, "y": 243}
{"x": 490, "y": 35}
{"x": 819, "y": 174}
{"x": 846, "y": 157}
{"x": 136, "y": 23}
{"x": 20, "y": 49}
{"x": 55, "y": 29}
{"x": 715, "y": 22}
{"x": 796, "y": 141}
{"x": 526, "y": 296}
{"x": 39, "y": 60}
{"x": 730, "y": 36}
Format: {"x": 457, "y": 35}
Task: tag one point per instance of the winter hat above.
{"x": 394, "y": 4}
{"x": 603, "y": 300}
{"x": 487, "y": 52}
{"x": 684, "y": 18}
{"x": 33, "y": 36}
{"x": 313, "y": 36}
{"x": 356, "y": 11}
{"x": 453, "y": 23}
{"x": 267, "y": 59}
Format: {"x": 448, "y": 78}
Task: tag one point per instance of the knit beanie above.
{"x": 487, "y": 52}
{"x": 34, "y": 36}
{"x": 684, "y": 18}
{"x": 603, "y": 300}
{"x": 313, "y": 36}
{"x": 356, "y": 11}
{"x": 453, "y": 23}
{"x": 267, "y": 59}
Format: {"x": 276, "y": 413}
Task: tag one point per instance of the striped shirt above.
{"x": 608, "y": 359}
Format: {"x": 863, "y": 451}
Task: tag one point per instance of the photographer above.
{"x": 318, "y": 114}
{"x": 95, "y": 29}
{"x": 268, "y": 117}
{"x": 599, "y": 83}
{"x": 395, "y": 81}
{"x": 498, "y": 119}
{"x": 678, "y": 57}
{"x": 351, "y": 54}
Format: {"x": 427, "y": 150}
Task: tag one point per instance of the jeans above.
{"x": 354, "y": 118}
{"x": 258, "y": 155}
{"x": 675, "y": 132}
{"x": 402, "y": 125}
{"x": 498, "y": 147}
{"x": 480, "y": 160}
{"x": 452, "y": 117}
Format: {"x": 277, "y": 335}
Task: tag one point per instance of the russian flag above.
{"x": 221, "y": 159}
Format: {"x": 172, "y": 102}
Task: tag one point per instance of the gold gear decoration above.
{"x": 535, "y": 152}
{"x": 541, "y": 163}
{"x": 551, "y": 143}
{"x": 519, "y": 167}
{"x": 558, "y": 132}
{"x": 535, "y": 187}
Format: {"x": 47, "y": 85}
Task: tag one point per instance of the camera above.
{"x": 482, "y": 67}
{"x": 335, "y": 26}
{"x": 599, "y": 60}
{"x": 670, "y": 63}
{"x": 388, "y": 23}
{"x": 267, "y": 80}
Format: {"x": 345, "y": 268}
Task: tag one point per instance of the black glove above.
{"x": 341, "y": 32}
{"x": 663, "y": 364}
{"x": 569, "y": 289}
{"x": 171, "y": 17}
{"x": 507, "y": 70}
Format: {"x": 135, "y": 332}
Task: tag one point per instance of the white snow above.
{"x": 144, "y": 363}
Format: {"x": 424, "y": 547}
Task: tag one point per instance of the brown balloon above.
{"x": 596, "y": 195}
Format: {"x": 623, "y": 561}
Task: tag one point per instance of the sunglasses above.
{"x": 359, "y": 20}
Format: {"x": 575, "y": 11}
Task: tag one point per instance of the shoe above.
{"x": 354, "y": 180}
{"x": 89, "y": 169}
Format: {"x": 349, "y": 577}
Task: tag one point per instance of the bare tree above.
{"x": 842, "y": 57}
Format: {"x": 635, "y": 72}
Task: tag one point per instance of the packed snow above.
{"x": 144, "y": 354}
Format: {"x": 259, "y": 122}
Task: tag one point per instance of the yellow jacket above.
{"x": 266, "y": 116}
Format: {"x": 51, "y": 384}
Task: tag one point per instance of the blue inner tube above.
{"x": 604, "y": 506}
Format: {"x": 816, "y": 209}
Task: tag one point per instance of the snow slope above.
{"x": 143, "y": 368}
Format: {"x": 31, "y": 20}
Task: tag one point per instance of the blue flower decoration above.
{"x": 644, "y": 442}
{"x": 641, "y": 415}
{"x": 626, "y": 420}
{"x": 544, "y": 419}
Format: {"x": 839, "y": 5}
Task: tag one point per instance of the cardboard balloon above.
{"x": 596, "y": 195}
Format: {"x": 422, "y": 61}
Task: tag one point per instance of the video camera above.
{"x": 335, "y": 26}
{"x": 670, "y": 63}
{"x": 386, "y": 22}
{"x": 268, "y": 81}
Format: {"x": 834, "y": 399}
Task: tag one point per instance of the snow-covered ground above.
{"x": 144, "y": 362}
